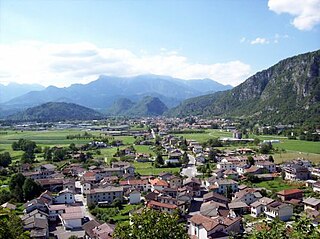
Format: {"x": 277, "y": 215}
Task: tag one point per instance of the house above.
{"x": 9, "y": 206}
{"x": 288, "y": 194}
{"x": 35, "y": 204}
{"x": 37, "y": 223}
{"x": 65, "y": 196}
{"x": 281, "y": 210}
{"x": 163, "y": 207}
{"x": 311, "y": 203}
{"x": 248, "y": 196}
{"x": 158, "y": 184}
{"x": 223, "y": 185}
{"x": 88, "y": 227}
{"x": 134, "y": 197}
{"x": 238, "y": 207}
{"x": 225, "y": 165}
{"x": 296, "y": 172}
{"x": 105, "y": 195}
{"x": 138, "y": 184}
{"x": 165, "y": 176}
{"x": 202, "y": 227}
{"x": 253, "y": 170}
{"x": 72, "y": 218}
{"x": 216, "y": 197}
{"x": 55, "y": 211}
{"x": 174, "y": 182}
{"x": 212, "y": 208}
{"x": 197, "y": 149}
{"x": 316, "y": 187}
{"x": 258, "y": 207}
{"x": 51, "y": 184}
{"x": 231, "y": 174}
{"x": 267, "y": 165}
{"x": 103, "y": 231}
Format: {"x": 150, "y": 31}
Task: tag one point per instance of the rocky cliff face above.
{"x": 286, "y": 92}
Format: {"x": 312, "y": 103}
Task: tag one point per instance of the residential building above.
{"x": 281, "y": 210}
{"x": 289, "y": 194}
{"x": 105, "y": 195}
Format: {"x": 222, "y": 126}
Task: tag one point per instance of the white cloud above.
{"x": 306, "y": 12}
{"x": 65, "y": 64}
{"x": 259, "y": 40}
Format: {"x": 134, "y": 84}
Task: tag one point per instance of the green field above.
{"x": 148, "y": 169}
{"x": 276, "y": 185}
{"x": 293, "y": 148}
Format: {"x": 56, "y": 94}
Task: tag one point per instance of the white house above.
{"x": 260, "y": 206}
{"x": 65, "y": 196}
{"x": 281, "y": 210}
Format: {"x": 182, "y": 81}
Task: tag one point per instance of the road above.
{"x": 191, "y": 170}
{"x": 85, "y": 209}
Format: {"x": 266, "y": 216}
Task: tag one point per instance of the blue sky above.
{"x": 64, "y": 42}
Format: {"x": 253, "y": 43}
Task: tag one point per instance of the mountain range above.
{"x": 103, "y": 92}
{"x": 288, "y": 92}
{"x": 13, "y": 90}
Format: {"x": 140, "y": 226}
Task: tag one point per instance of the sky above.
{"x": 59, "y": 42}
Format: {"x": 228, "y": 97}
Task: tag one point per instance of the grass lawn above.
{"x": 280, "y": 158}
{"x": 208, "y": 134}
{"x": 276, "y": 185}
{"x": 146, "y": 149}
{"x": 147, "y": 169}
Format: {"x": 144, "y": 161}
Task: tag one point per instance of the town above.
{"x": 217, "y": 180}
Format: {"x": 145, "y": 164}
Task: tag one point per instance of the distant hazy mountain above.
{"x": 12, "y": 90}
{"x": 147, "y": 106}
{"x": 103, "y": 92}
{"x": 288, "y": 92}
{"x": 56, "y": 111}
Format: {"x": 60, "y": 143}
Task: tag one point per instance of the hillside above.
{"x": 120, "y": 107}
{"x": 103, "y": 92}
{"x": 56, "y": 111}
{"x": 288, "y": 92}
{"x": 147, "y": 106}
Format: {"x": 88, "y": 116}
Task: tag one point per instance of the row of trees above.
{"x": 29, "y": 147}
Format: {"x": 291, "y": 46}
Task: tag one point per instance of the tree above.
{"x": 11, "y": 227}
{"x": 250, "y": 160}
{"x": 5, "y": 159}
{"x": 302, "y": 228}
{"x": 151, "y": 224}
{"x": 28, "y": 157}
{"x": 31, "y": 189}
{"x": 265, "y": 148}
{"x": 212, "y": 156}
{"x": 159, "y": 160}
{"x": 256, "y": 141}
{"x": 271, "y": 159}
{"x": 185, "y": 158}
{"x": 15, "y": 186}
{"x": 47, "y": 153}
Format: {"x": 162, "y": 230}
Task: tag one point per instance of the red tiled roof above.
{"x": 289, "y": 191}
{"x": 159, "y": 182}
{"x": 133, "y": 182}
{"x": 160, "y": 204}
